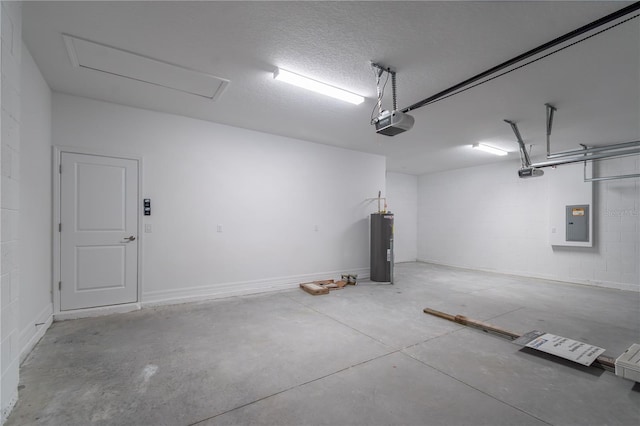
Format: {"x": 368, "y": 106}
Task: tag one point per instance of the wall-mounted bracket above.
{"x": 573, "y": 156}
{"x": 524, "y": 155}
{"x": 550, "y": 110}
{"x": 379, "y": 71}
{"x": 389, "y": 123}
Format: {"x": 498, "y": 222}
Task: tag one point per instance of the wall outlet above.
{"x": 219, "y": 228}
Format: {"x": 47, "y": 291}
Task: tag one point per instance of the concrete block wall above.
{"x": 35, "y": 223}
{"x": 486, "y": 218}
{"x": 11, "y": 45}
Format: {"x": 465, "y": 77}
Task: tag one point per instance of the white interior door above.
{"x": 99, "y": 230}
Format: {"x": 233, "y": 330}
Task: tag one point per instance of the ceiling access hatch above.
{"x": 99, "y": 57}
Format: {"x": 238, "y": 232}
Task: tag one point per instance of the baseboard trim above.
{"x": 96, "y": 312}
{"x": 201, "y": 293}
{"x": 240, "y": 288}
{"x": 31, "y": 334}
{"x": 602, "y": 284}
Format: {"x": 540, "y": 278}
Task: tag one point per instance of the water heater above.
{"x": 382, "y": 247}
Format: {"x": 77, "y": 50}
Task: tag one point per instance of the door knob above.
{"x": 131, "y": 238}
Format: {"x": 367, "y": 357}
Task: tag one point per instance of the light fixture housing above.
{"x": 317, "y": 86}
{"x": 489, "y": 149}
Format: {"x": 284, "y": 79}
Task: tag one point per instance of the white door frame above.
{"x": 103, "y": 310}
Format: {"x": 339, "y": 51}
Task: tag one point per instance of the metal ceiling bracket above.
{"x": 550, "y": 110}
{"x": 585, "y": 157}
{"x": 524, "y": 155}
{"x": 380, "y": 70}
{"x": 602, "y": 178}
{"x": 389, "y": 123}
{"x": 578, "y": 155}
{"x": 612, "y": 147}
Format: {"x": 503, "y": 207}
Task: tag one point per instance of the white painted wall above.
{"x": 487, "y": 218}
{"x": 402, "y": 200}
{"x": 11, "y": 44}
{"x": 267, "y": 192}
{"x": 35, "y": 256}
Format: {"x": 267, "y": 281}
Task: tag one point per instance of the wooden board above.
{"x": 314, "y": 289}
{"x": 602, "y": 361}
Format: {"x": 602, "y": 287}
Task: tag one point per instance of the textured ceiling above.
{"x": 432, "y": 45}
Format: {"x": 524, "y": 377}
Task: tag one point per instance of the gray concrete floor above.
{"x": 365, "y": 355}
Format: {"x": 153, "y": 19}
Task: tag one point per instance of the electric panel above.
{"x": 577, "y": 223}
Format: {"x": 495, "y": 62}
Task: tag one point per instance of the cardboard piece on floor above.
{"x": 314, "y": 289}
{"x": 323, "y": 286}
{"x": 573, "y": 350}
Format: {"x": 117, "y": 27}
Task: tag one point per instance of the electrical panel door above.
{"x": 577, "y": 218}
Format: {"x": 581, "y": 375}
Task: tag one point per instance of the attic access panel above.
{"x": 106, "y": 59}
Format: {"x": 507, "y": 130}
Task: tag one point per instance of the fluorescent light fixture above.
{"x": 489, "y": 149}
{"x": 316, "y": 86}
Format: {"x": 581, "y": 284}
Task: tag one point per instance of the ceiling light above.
{"x": 489, "y": 149}
{"x": 316, "y": 86}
